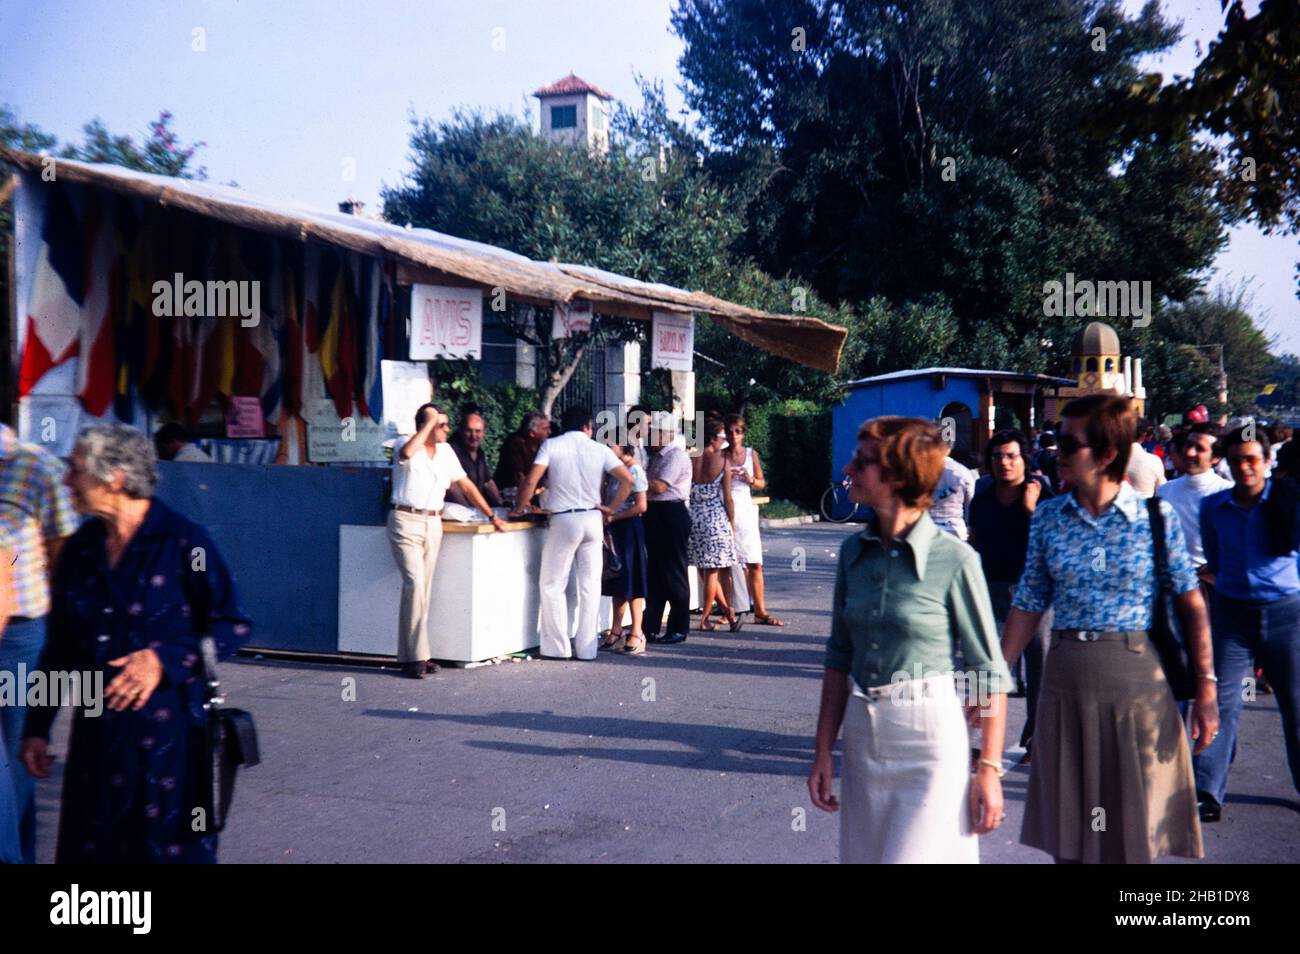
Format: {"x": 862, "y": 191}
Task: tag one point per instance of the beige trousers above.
{"x": 415, "y": 539}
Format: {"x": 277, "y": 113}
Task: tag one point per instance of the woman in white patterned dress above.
{"x": 746, "y": 477}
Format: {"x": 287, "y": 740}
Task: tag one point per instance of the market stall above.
{"x": 299, "y": 342}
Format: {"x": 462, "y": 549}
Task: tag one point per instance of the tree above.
{"x": 928, "y": 153}
{"x": 160, "y": 152}
{"x": 1181, "y": 355}
{"x": 1245, "y": 93}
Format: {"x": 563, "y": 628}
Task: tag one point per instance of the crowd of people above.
{"x": 1078, "y": 542}
{"x": 1057, "y": 557}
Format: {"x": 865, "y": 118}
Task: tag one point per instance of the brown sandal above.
{"x": 766, "y": 619}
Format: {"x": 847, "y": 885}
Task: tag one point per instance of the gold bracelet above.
{"x": 996, "y": 766}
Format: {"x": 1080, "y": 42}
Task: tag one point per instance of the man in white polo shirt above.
{"x": 575, "y": 466}
{"x": 423, "y": 468}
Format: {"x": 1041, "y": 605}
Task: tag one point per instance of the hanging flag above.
{"x": 338, "y": 350}
{"x": 376, "y": 324}
{"x": 54, "y": 308}
{"x": 100, "y": 311}
{"x": 313, "y": 379}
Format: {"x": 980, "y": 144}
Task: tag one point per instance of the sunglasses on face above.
{"x": 862, "y": 461}
{"x": 1253, "y": 460}
{"x": 1067, "y": 445}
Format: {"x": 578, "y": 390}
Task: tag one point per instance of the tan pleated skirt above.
{"x": 1111, "y": 779}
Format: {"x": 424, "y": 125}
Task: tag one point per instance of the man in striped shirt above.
{"x": 38, "y": 517}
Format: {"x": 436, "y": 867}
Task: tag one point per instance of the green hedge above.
{"x": 793, "y": 439}
{"x": 502, "y": 405}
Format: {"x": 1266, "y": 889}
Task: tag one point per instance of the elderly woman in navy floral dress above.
{"x": 133, "y": 592}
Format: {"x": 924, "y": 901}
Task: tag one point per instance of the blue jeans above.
{"x": 1246, "y": 631}
{"x": 22, "y": 642}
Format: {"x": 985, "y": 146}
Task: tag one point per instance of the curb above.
{"x": 778, "y": 522}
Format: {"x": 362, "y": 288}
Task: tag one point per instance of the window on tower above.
{"x": 1092, "y": 364}
{"x": 1110, "y": 364}
{"x": 564, "y": 117}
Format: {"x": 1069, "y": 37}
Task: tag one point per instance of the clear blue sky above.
{"x": 286, "y": 91}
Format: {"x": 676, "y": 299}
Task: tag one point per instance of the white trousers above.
{"x": 571, "y": 536}
{"x": 415, "y": 540}
{"x": 906, "y": 778}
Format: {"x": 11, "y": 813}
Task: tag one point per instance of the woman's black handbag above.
{"x": 1165, "y": 630}
{"x": 231, "y": 739}
{"x": 613, "y": 566}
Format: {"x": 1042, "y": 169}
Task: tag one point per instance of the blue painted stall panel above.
{"x": 278, "y": 529}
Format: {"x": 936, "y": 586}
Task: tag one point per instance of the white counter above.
{"x": 484, "y": 600}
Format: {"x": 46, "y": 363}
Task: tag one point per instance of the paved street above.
{"x": 693, "y": 753}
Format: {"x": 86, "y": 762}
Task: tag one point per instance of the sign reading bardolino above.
{"x": 672, "y": 341}
{"x": 571, "y": 318}
{"x": 446, "y": 322}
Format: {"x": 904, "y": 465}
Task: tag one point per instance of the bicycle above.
{"x": 836, "y": 506}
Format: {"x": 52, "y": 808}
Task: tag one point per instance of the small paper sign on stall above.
{"x": 331, "y": 441}
{"x": 446, "y": 322}
{"x": 571, "y": 318}
{"x": 672, "y": 341}
{"x": 244, "y": 417}
{"x": 406, "y": 388}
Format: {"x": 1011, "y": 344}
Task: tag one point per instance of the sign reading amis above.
{"x": 446, "y": 322}
{"x": 672, "y": 341}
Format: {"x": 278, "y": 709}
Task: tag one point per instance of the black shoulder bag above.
{"x": 230, "y": 735}
{"x": 231, "y": 739}
{"x": 1165, "y": 630}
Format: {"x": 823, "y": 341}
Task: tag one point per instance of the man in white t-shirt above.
{"x": 423, "y": 468}
{"x": 1200, "y": 452}
{"x": 575, "y": 466}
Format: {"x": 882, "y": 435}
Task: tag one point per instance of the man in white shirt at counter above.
{"x": 423, "y": 468}
{"x": 576, "y": 467}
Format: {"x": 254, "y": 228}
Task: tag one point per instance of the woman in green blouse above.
{"x": 907, "y": 598}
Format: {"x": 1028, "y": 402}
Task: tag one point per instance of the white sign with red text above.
{"x": 571, "y": 318}
{"x": 672, "y": 341}
{"x": 446, "y": 322}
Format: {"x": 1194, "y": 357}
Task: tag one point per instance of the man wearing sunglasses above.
{"x": 1251, "y": 536}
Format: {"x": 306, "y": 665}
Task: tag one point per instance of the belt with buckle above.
{"x": 556, "y": 513}
{"x": 424, "y": 513}
{"x": 1093, "y": 635}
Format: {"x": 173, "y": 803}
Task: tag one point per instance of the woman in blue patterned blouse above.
{"x": 132, "y": 592}
{"x": 1111, "y": 780}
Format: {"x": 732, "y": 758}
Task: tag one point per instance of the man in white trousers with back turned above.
{"x": 577, "y": 466}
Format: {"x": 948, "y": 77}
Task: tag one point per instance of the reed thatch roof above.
{"x": 425, "y": 255}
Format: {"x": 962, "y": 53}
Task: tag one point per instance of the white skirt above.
{"x": 747, "y": 540}
{"x": 906, "y": 778}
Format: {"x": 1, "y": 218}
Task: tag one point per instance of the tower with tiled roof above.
{"x": 576, "y": 112}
